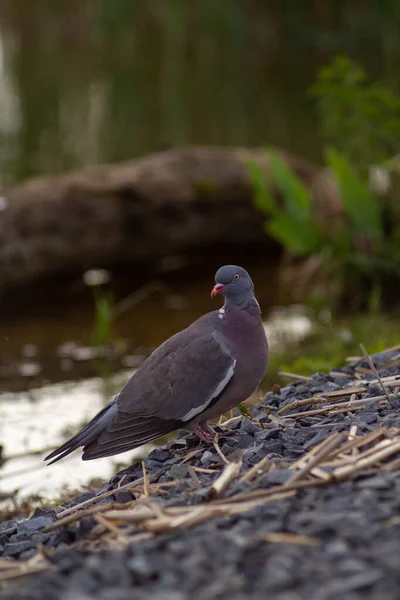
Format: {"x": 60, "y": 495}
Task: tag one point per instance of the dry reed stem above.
{"x": 298, "y": 403}
{"x": 343, "y": 460}
{"x": 294, "y": 376}
{"x": 78, "y": 514}
{"x": 320, "y": 474}
{"x": 145, "y": 480}
{"x": 230, "y": 472}
{"x": 154, "y": 518}
{"x": 191, "y": 455}
{"x": 11, "y": 569}
{"x": 195, "y": 480}
{"x": 392, "y": 466}
{"x": 265, "y": 494}
{"x": 257, "y": 469}
{"x": 219, "y": 451}
{"x": 226, "y": 422}
{"x": 137, "y": 514}
{"x": 355, "y": 389}
{"x": 203, "y": 470}
{"x": 109, "y": 526}
{"x": 344, "y": 472}
{"x": 389, "y": 364}
{"x": 385, "y": 382}
{"x": 346, "y": 452}
{"x": 361, "y": 441}
{"x": 199, "y": 514}
{"x": 88, "y": 512}
{"x": 321, "y": 398}
{"x": 339, "y": 407}
{"x": 126, "y": 486}
{"x": 373, "y": 369}
{"x": 341, "y": 457}
{"x": 352, "y": 433}
{"x": 304, "y": 459}
{"x": 318, "y": 457}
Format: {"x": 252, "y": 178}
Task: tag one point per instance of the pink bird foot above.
{"x": 206, "y": 433}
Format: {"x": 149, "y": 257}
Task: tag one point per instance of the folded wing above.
{"x": 181, "y": 379}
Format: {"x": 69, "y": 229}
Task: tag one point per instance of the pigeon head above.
{"x": 235, "y": 284}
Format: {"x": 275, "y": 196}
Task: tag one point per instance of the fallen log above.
{"x": 173, "y": 201}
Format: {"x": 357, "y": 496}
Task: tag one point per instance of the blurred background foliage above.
{"x": 360, "y": 125}
{"x": 90, "y": 81}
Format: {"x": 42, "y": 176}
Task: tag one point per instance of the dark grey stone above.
{"x": 35, "y": 523}
{"x": 276, "y": 477}
{"x": 176, "y": 444}
{"x": 244, "y": 440}
{"x": 179, "y": 471}
{"x": 27, "y": 554}
{"x": 248, "y": 427}
{"x": 364, "y": 417}
{"x": 379, "y": 483}
{"x": 159, "y": 455}
{"x": 273, "y": 447}
{"x": 123, "y": 496}
{"x": 13, "y": 549}
{"x": 8, "y": 527}
{"x": 268, "y": 434}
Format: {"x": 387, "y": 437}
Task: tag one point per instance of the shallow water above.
{"x": 34, "y": 421}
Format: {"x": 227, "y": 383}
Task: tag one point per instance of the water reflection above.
{"x": 39, "y": 420}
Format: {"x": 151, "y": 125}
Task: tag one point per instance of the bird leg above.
{"x": 206, "y": 433}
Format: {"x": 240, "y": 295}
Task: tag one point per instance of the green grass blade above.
{"x": 299, "y": 237}
{"x": 298, "y": 199}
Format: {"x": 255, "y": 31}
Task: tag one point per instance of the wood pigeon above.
{"x": 195, "y": 375}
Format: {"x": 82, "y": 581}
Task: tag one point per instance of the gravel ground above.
{"x": 335, "y": 536}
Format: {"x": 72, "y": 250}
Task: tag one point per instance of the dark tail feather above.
{"x": 87, "y": 435}
{"x": 114, "y": 442}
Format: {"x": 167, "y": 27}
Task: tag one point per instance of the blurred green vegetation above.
{"x": 104, "y": 305}
{"x": 359, "y": 249}
{"x": 329, "y": 344}
{"x": 92, "y": 81}
{"x": 361, "y": 119}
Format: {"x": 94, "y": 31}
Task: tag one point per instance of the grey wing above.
{"x": 178, "y": 382}
{"x": 180, "y": 379}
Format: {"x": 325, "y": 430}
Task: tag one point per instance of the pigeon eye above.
{"x": 236, "y": 277}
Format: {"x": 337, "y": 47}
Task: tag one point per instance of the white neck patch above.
{"x": 221, "y": 312}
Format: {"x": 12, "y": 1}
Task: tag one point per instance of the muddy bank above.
{"x": 301, "y": 501}
{"x": 135, "y": 212}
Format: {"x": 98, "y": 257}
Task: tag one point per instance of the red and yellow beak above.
{"x": 217, "y": 289}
